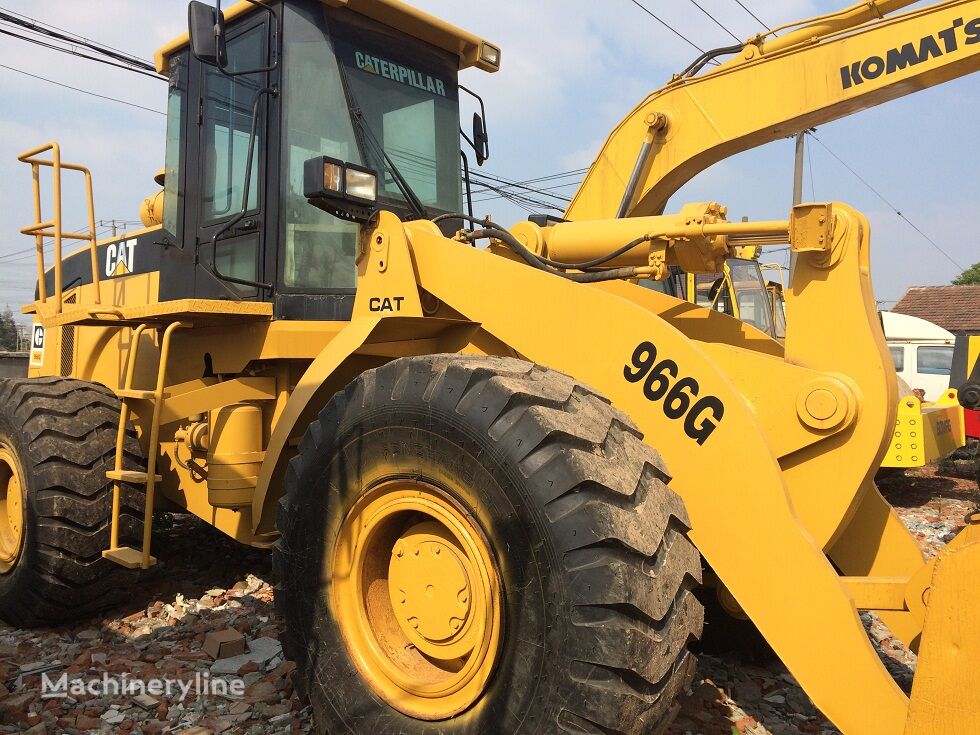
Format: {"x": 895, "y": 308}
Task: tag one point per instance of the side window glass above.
{"x": 711, "y": 290}
{"x": 898, "y": 357}
{"x": 934, "y": 360}
{"x": 228, "y": 120}
{"x": 175, "y": 123}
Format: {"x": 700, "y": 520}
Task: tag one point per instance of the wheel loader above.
{"x": 492, "y": 469}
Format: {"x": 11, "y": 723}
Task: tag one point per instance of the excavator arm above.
{"x": 829, "y": 68}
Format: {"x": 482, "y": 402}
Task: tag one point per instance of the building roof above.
{"x": 956, "y": 308}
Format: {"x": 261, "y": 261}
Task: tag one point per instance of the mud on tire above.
{"x": 597, "y": 570}
{"x": 62, "y": 433}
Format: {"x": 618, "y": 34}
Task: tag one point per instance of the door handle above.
{"x": 248, "y": 225}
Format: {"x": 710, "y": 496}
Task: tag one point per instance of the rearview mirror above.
{"x": 481, "y": 141}
{"x": 204, "y": 28}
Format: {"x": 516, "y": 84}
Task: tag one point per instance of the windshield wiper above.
{"x": 367, "y": 136}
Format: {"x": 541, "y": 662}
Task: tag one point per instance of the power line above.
{"x": 667, "y": 26}
{"x": 72, "y": 52}
{"x": 60, "y": 34}
{"x": 754, "y": 16}
{"x": 717, "y": 22}
{"x": 74, "y": 35}
{"x": 887, "y": 203}
{"x": 83, "y": 91}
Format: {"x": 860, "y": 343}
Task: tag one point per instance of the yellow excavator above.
{"x": 493, "y": 478}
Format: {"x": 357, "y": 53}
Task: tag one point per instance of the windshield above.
{"x": 407, "y": 97}
{"x": 406, "y": 92}
{"x": 751, "y": 296}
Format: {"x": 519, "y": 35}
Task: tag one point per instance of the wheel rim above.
{"x": 11, "y": 509}
{"x": 417, "y": 597}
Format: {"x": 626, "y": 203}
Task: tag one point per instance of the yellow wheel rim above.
{"x": 417, "y": 597}
{"x": 11, "y": 509}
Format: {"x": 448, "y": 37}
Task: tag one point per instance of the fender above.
{"x": 367, "y": 342}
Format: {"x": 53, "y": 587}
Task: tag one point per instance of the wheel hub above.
{"x": 429, "y": 581}
{"x": 11, "y": 509}
{"x": 417, "y": 597}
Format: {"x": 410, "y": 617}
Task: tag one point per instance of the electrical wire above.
{"x": 34, "y": 26}
{"x": 717, "y": 22}
{"x": 667, "y": 25}
{"x": 754, "y": 16}
{"x": 72, "y": 52}
{"x": 891, "y": 206}
{"x": 83, "y": 91}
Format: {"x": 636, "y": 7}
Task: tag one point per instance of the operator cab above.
{"x": 260, "y": 92}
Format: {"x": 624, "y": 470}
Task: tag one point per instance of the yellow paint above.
{"x": 428, "y": 647}
{"x": 12, "y": 508}
{"x": 945, "y": 698}
{"x": 926, "y": 433}
{"x": 467, "y": 46}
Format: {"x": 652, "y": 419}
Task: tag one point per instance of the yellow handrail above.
{"x": 53, "y": 228}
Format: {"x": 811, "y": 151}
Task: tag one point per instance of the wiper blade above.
{"x": 367, "y": 136}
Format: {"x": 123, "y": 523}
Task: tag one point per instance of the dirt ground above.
{"x": 206, "y": 583}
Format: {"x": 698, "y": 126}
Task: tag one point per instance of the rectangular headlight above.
{"x": 361, "y": 185}
{"x": 490, "y": 54}
{"x": 333, "y": 176}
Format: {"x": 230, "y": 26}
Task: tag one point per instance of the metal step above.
{"x": 141, "y": 395}
{"x": 127, "y": 557}
{"x": 133, "y": 476}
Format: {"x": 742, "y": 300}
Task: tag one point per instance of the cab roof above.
{"x": 472, "y": 50}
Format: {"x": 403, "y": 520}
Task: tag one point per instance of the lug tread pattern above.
{"x": 67, "y": 431}
{"x": 620, "y": 533}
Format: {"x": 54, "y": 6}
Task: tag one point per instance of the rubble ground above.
{"x": 205, "y": 583}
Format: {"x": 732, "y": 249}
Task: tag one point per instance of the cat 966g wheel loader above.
{"x": 492, "y": 477}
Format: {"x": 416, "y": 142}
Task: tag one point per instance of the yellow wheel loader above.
{"x": 492, "y": 476}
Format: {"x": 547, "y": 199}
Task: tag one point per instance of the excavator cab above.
{"x": 259, "y": 93}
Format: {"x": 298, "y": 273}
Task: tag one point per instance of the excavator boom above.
{"x": 768, "y": 92}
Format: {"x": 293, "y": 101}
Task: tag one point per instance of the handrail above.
{"x": 53, "y": 228}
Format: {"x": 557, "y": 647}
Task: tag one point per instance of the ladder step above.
{"x": 127, "y": 557}
{"x": 141, "y": 395}
{"x": 133, "y": 476}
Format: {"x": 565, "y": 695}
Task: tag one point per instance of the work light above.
{"x": 345, "y": 190}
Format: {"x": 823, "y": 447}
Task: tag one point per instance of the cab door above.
{"x": 233, "y": 265}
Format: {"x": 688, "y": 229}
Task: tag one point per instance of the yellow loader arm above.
{"x": 837, "y": 65}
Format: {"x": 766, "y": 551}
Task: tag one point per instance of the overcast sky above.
{"x": 571, "y": 70}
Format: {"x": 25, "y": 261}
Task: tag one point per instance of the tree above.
{"x": 8, "y": 331}
{"x": 969, "y": 277}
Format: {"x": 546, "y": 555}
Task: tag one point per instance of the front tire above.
{"x": 57, "y": 441}
{"x": 558, "y": 516}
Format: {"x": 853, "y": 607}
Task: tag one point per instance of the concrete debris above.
{"x": 261, "y": 652}
{"x": 204, "y": 583}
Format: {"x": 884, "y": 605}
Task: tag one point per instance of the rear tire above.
{"x": 60, "y": 435}
{"x": 590, "y": 546}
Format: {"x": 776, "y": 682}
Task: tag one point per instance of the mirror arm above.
{"x": 469, "y": 185}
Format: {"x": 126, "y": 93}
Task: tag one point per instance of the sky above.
{"x": 572, "y": 69}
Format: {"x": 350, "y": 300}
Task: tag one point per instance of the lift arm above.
{"x": 834, "y": 66}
